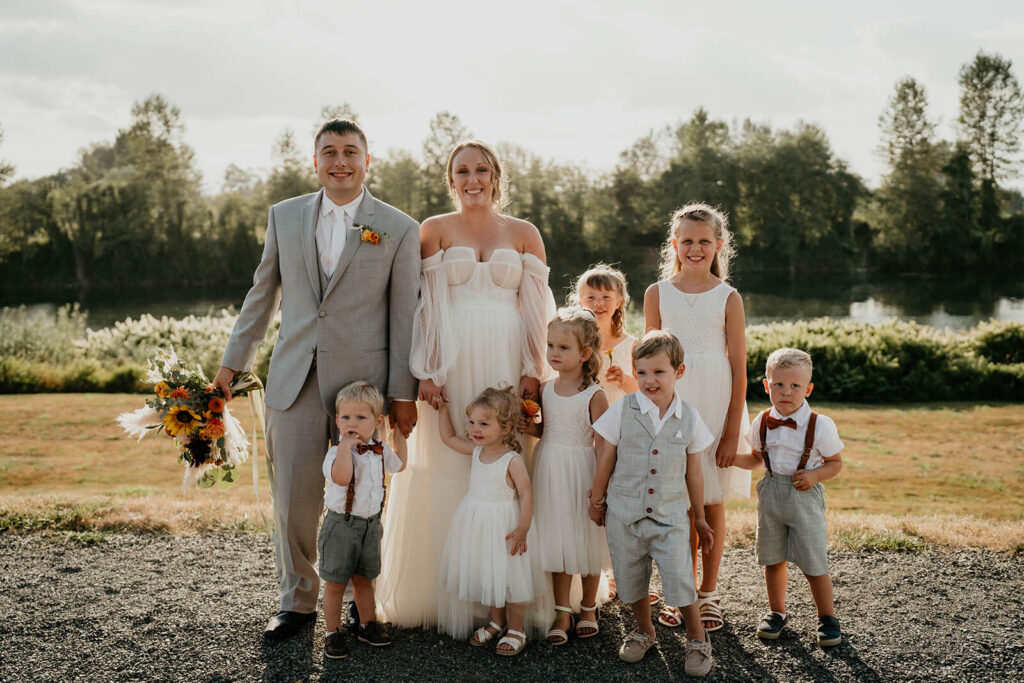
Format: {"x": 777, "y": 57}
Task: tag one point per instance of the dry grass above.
{"x": 914, "y": 476}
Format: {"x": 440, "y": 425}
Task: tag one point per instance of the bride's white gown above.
{"x": 479, "y": 324}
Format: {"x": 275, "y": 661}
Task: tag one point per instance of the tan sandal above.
{"x": 482, "y": 636}
{"x": 670, "y": 616}
{"x": 653, "y": 597}
{"x": 587, "y": 623}
{"x": 710, "y": 605}
{"x": 561, "y": 637}
{"x": 515, "y": 639}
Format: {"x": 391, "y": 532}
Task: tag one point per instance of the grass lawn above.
{"x": 913, "y": 476}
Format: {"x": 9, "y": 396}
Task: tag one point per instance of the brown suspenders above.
{"x": 350, "y": 494}
{"x": 808, "y": 440}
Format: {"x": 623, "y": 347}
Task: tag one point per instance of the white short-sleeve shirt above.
{"x": 609, "y": 425}
{"x": 369, "y": 488}
{"x": 785, "y": 445}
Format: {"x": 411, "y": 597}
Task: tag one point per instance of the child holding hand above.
{"x": 799, "y": 449}
{"x": 350, "y": 535}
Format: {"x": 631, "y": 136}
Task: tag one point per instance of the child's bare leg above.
{"x": 821, "y": 591}
{"x": 362, "y": 590}
{"x": 712, "y": 560}
{"x": 589, "y": 599}
{"x": 560, "y": 583}
{"x": 334, "y": 593}
{"x": 694, "y": 546}
{"x": 642, "y": 613}
{"x": 775, "y": 582}
{"x": 694, "y": 627}
{"x": 516, "y": 620}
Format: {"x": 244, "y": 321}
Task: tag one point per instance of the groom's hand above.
{"x": 223, "y": 381}
{"x": 402, "y": 416}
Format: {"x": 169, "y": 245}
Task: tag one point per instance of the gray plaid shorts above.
{"x": 348, "y": 548}
{"x": 632, "y": 548}
{"x": 791, "y": 525}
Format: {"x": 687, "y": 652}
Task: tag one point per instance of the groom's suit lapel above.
{"x": 309, "y": 251}
{"x": 364, "y": 217}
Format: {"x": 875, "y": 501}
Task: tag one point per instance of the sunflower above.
{"x": 180, "y": 420}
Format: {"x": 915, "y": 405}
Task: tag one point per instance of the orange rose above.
{"x": 214, "y": 429}
{"x": 216, "y": 404}
{"x": 530, "y": 408}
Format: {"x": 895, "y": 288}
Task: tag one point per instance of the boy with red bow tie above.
{"x": 350, "y": 536}
{"x": 799, "y": 449}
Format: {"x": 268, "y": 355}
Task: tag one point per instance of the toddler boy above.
{"x": 799, "y": 449}
{"x": 648, "y": 468}
{"x": 349, "y": 541}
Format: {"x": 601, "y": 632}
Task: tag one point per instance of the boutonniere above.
{"x": 368, "y": 234}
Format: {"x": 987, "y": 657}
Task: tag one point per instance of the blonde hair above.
{"x": 498, "y": 182}
{"x": 659, "y": 341}
{"x": 719, "y": 224}
{"x": 787, "y": 358}
{"x": 603, "y": 276}
{"x": 583, "y": 326}
{"x": 362, "y": 392}
{"x": 506, "y": 407}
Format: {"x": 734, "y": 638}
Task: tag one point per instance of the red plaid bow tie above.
{"x": 774, "y": 423}
{"x": 377, "y": 448}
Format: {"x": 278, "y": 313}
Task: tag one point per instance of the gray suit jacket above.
{"x": 360, "y": 327}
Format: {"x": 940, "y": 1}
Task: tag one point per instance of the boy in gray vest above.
{"x": 648, "y": 469}
{"x": 799, "y": 449}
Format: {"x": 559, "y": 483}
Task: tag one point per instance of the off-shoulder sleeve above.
{"x": 537, "y": 306}
{"x": 434, "y": 346}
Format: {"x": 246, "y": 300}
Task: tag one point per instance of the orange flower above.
{"x": 216, "y": 404}
{"x": 530, "y": 408}
{"x": 213, "y": 430}
{"x": 370, "y": 236}
{"x": 161, "y": 389}
{"x": 180, "y": 392}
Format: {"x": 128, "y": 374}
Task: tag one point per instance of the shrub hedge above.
{"x": 893, "y": 362}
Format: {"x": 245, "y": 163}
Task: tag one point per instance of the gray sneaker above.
{"x": 698, "y": 657}
{"x": 635, "y": 646}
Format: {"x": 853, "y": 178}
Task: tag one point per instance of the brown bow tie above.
{"x": 377, "y": 448}
{"x": 774, "y": 423}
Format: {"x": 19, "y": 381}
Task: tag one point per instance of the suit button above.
{"x": 654, "y": 471}
{"x": 650, "y": 490}
{"x": 323, "y": 314}
{"x": 654, "y": 452}
{"x": 649, "y": 510}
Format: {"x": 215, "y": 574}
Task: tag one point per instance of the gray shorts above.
{"x": 349, "y": 548}
{"x": 791, "y": 525}
{"x": 633, "y": 546}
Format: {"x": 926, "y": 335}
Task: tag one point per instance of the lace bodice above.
{"x": 487, "y": 480}
{"x": 697, "y": 320}
{"x": 567, "y": 418}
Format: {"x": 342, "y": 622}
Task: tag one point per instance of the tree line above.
{"x": 132, "y": 211}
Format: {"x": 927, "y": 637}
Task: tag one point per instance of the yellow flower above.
{"x": 161, "y": 389}
{"x": 180, "y": 420}
{"x": 370, "y": 236}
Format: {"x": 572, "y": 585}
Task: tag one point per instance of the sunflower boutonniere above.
{"x": 368, "y": 234}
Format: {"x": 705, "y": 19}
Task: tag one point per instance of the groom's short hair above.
{"x": 339, "y": 127}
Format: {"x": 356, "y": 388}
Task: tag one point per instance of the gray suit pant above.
{"x": 297, "y": 440}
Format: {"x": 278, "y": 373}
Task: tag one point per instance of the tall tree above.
{"x": 292, "y": 174}
{"x": 6, "y": 169}
{"x": 991, "y": 111}
{"x": 446, "y": 131}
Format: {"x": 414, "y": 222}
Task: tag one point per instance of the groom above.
{"x": 343, "y": 268}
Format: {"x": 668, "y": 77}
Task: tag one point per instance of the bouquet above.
{"x": 187, "y": 408}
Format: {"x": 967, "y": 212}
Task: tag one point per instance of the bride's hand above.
{"x": 529, "y": 387}
{"x": 431, "y": 393}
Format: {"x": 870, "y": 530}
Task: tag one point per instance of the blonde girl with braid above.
{"x": 568, "y": 543}
{"x": 602, "y": 291}
{"x": 485, "y": 559}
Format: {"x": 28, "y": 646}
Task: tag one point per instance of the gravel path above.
{"x": 138, "y": 607}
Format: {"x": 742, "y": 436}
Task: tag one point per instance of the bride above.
{"x": 481, "y": 322}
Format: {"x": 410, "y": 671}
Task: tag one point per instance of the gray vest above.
{"x": 649, "y": 479}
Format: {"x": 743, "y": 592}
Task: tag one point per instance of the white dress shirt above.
{"x": 786, "y": 445}
{"x": 332, "y": 227}
{"x": 609, "y": 425}
{"x": 369, "y": 487}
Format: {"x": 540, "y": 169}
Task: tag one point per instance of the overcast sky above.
{"x": 573, "y": 81}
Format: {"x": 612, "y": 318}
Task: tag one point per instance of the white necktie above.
{"x": 335, "y": 240}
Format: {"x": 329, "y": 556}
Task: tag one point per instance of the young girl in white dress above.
{"x": 694, "y": 302}
{"x": 485, "y": 558}
{"x": 564, "y": 462}
{"x": 602, "y": 291}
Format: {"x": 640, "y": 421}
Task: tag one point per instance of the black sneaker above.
{"x": 771, "y": 626}
{"x": 374, "y": 634}
{"x": 828, "y": 632}
{"x": 335, "y": 648}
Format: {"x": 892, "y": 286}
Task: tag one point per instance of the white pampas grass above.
{"x": 140, "y": 422}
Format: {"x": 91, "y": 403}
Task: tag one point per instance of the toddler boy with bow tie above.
{"x": 799, "y": 449}
{"x": 350, "y": 536}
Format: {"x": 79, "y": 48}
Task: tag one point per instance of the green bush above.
{"x": 38, "y": 336}
{"x": 1000, "y": 341}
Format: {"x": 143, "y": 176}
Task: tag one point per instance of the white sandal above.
{"x": 514, "y": 638}
{"x": 562, "y": 636}
{"x": 482, "y": 636}
{"x": 587, "y": 623}
{"x": 710, "y": 605}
